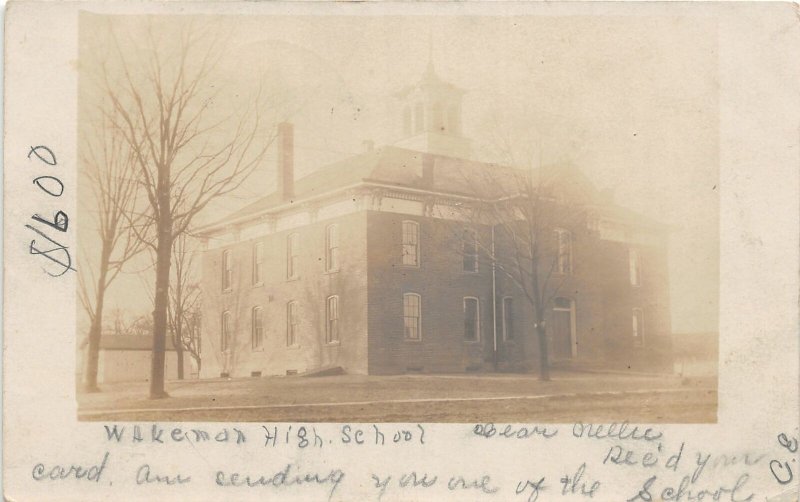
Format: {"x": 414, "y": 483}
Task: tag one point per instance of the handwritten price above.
{"x": 54, "y": 251}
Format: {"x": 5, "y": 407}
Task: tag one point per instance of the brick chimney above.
{"x": 286, "y": 160}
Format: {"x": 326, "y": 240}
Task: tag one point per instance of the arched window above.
{"x": 472, "y": 319}
{"x": 412, "y": 316}
{"x": 454, "y": 120}
{"x": 257, "y": 328}
{"x": 292, "y": 255}
{"x": 438, "y": 118}
{"x": 410, "y": 243}
{"x": 508, "y": 318}
{"x": 292, "y": 323}
{"x": 635, "y": 267}
{"x": 637, "y": 321}
{"x": 227, "y": 270}
{"x": 332, "y": 316}
{"x": 332, "y": 248}
{"x": 564, "y": 238}
{"x": 470, "y": 250}
{"x": 419, "y": 119}
{"x": 407, "y": 121}
{"x": 258, "y": 263}
{"x": 225, "y": 332}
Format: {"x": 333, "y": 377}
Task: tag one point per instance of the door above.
{"x": 563, "y": 333}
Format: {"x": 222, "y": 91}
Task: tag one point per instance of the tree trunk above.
{"x": 179, "y": 345}
{"x": 93, "y": 354}
{"x": 96, "y": 328}
{"x": 161, "y": 300}
{"x": 544, "y": 363}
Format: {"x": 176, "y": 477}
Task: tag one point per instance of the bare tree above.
{"x": 109, "y": 167}
{"x": 189, "y": 143}
{"x": 532, "y": 218}
{"x": 184, "y": 298}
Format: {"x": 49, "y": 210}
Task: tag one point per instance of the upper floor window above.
{"x": 638, "y": 327}
{"x": 227, "y": 270}
{"x": 412, "y": 316}
{"x": 508, "y": 318}
{"x": 225, "y": 332}
{"x": 438, "y": 117}
{"x": 472, "y": 320}
{"x": 419, "y": 120}
{"x": 635, "y": 267}
{"x": 564, "y": 265}
{"x": 257, "y": 328}
{"x": 258, "y": 263}
{"x": 332, "y": 248}
{"x": 470, "y": 250}
{"x": 292, "y": 255}
{"x": 410, "y": 243}
{"x": 407, "y": 121}
{"x": 454, "y": 120}
{"x": 292, "y": 323}
{"x": 332, "y": 316}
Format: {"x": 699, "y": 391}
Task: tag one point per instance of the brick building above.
{"x": 374, "y": 264}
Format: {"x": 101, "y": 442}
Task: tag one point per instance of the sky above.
{"x": 631, "y": 101}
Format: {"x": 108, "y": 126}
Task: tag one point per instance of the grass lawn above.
{"x": 569, "y": 396}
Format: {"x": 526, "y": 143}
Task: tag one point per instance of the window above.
{"x": 258, "y": 263}
{"x": 638, "y": 327}
{"x": 635, "y": 266}
{"x": 332, "y": 248}
{"x": 292, "y": 249}
{"x": 472, "y": 320}
{"x": 292, "y": 323}
{"x": 257, "y": 328}
{"x": 410, "y": 243}
{"x": 227, "y": 270}
{"x": 508, "y": 318}
{"x": 411, "y": 316}
{"x": 454, "y": 120}
{"x": 419, "y": 124}
{"x": 407, "y": 121}
{"x": 470, "y": 250}
{"x": 225, "y": 336}
{"x": 332, "y": 316}
{"x": 564, "y": 265}
{"x": 438, "y": 118}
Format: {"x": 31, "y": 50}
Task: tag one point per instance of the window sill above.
{"x": 412, "y": 340}
{"x": 293, "y": 347}
{"x": 292, "y": 279}
{"x": 333, "y": 344}
{"x": 259, "y": 349}
{"x": 332, "y": 271}
{"x": 472, "y": 342}
{"x": 258, "y": 285}
{"x": 406, "y": 265}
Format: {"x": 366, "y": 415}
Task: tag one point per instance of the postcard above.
{"x": 401, "y": 251}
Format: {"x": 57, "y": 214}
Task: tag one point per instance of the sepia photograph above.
{"x": 396, "y": 218}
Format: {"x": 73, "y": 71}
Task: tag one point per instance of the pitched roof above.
{"x": 395, "y": 166}
{"x": 404, "y": 168}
